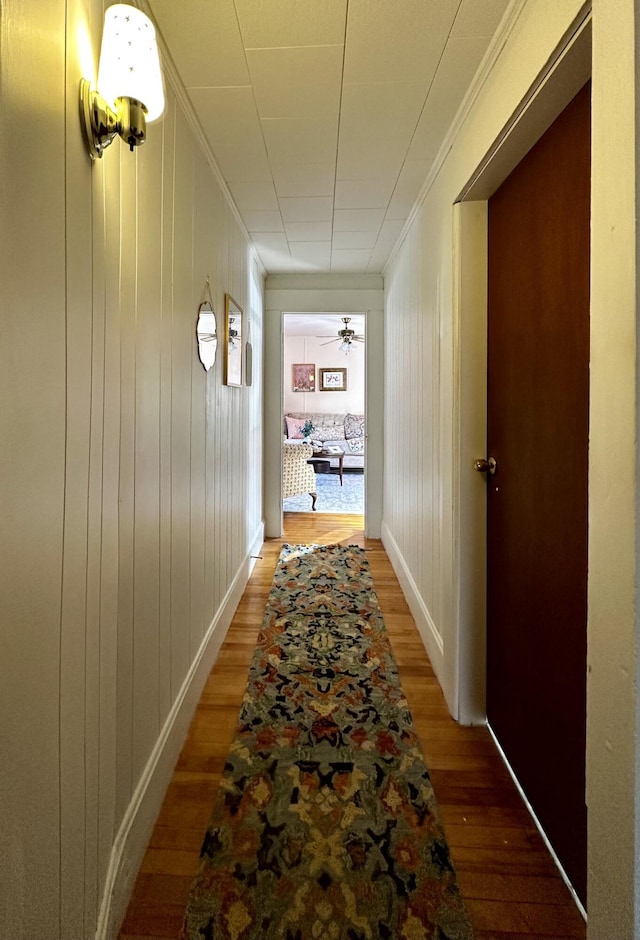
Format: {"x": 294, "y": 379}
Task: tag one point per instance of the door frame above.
{"x": 554, "y": 88}
{"x": 345, "y": 301}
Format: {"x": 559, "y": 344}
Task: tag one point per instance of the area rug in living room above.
{"x": 348, "y": 498}
{"x": 325, "y": 826}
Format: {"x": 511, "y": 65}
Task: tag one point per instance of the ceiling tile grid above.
{"x": 325, "y": 116}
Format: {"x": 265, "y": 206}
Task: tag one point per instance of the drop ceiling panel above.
{"x": 306, "y": 179}
{"x": 350, "y": 260}
{"x": 459, "y": 62}
{"x": 478, "y": 19}
{"x": 291, "y": 22}
{"x": 381, "y": 109}
{"x": 363, "y": 194}
{"x": 205, "y": 42}
{"x": 312, "y": 209}
{"x": 272, "y": 241}
{"x": 241, "y": 157}
{"x": 402, "y": 47}
{"x": 253, "y": 196}
{"x": 263, "y": 221}
{"x": 308, "y": 231}
{"x": 407, "y": 189}
{"x": 357, "y": 159}
{"x": 297, "y": 83}
{"x": 273, "y": 82}
{"x": 316, "y": 253}
{"x": 301, "y": 141}
{"x": 354, "y": 240}
{"x": 357, "y": 220}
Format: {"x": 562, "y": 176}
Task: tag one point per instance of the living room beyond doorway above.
{"x": 324, "y": 405}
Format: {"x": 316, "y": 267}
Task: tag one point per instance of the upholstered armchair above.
{"x": 297, "y": 475}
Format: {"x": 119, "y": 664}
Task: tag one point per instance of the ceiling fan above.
{"x": 346, "y": 337}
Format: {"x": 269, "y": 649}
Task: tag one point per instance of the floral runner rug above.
{"x": 325, "y": 826}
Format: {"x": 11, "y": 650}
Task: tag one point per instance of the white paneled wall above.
{"x": 131, "y": 478}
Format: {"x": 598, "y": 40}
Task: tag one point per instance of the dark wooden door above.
{"x": 538, "y": 395}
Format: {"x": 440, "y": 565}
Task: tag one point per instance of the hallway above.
{"x": 509, "y": 882}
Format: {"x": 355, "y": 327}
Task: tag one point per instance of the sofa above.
{"x": 345, "y": 431}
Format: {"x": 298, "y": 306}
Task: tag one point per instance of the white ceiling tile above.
{"x": 271, "y": 241}
{"x": 291, "y": 22}
{"x": 459, "y": 63}
{"x": 254, "y": 196}
{"x": 363, "y": 194}
{"x": 229, "y": 119}
{"x": 390, "y": 232}
{"x": 276, "y": 263}
{"x": 221, "y": 64}
{"x": 342, "y": 240}
{"x": 401, "y": 47}
{"x": 303, "y": 209}
{"x": 317, "y": 253}
{"x": 300, "y": 141}
{"x": 479, "y": 19}
{"x": 381, "y": 109}
{"x": 302, "y": 82}
{"x": 270, "y": 221}
{"x": 315, "y": 179}
{"x": 357, "y": 220}
{"x": 270, "y": 100}
{"x": 357, "y": 159}
{"x": 349, "y": 260}
{"x": 226, "y": 103}
{"x": 407, "y": 189}
{"x": 308, "y": 231}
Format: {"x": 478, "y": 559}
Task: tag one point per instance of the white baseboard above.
{"x": 424, "y": 621}
{"x": 135, "y": 830}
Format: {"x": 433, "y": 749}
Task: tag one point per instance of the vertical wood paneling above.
{"x": 106, "y": 268}
{"x": 132, "y": 478}
{"x": 146, "y": 608}
{"x": 126, "y": 236}
{"x": 166, "y": 395}
{"x": 32, "y": 473}
{"x": 79, "y": 623}
{"x": 181, "y": 405}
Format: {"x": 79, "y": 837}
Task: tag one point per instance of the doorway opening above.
{"x": 323, "y": 395}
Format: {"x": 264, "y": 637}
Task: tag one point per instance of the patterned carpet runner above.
{"x": 326, "y": 825}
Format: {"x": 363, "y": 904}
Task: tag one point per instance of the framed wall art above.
{"x": 232, "y": 341}
{"x": 303, "y": 377}
{"x": 333, "y": 380}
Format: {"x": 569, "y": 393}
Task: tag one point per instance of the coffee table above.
{"x": 321, "y": 456}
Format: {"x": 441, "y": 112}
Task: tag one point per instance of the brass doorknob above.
{"x": 485, "y": 466}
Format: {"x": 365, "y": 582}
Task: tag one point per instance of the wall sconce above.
{"x": 130, "y": 90}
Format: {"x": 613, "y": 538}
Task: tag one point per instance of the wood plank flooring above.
{"x": 511, "y": 886}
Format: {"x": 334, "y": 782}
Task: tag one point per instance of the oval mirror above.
{"x": 207, "y": 335}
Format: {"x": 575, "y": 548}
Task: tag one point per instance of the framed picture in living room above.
{"x": 303, "y": 376}
{"x": 333, "y": 380}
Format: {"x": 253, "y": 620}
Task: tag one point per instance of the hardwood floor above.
{"x": 511, "y": 886}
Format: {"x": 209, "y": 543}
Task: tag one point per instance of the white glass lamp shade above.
{"x": 129, "y": 60}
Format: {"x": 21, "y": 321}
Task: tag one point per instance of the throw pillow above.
{"x": 353, "y": 426}
{"x": 333, "y": 433}
{"x": 294, "y": 428}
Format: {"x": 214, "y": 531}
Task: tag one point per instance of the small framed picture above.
{"x": 333, "y": 380}
{"x": 304, "y": 376}
{"x": 232, "y": 341}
